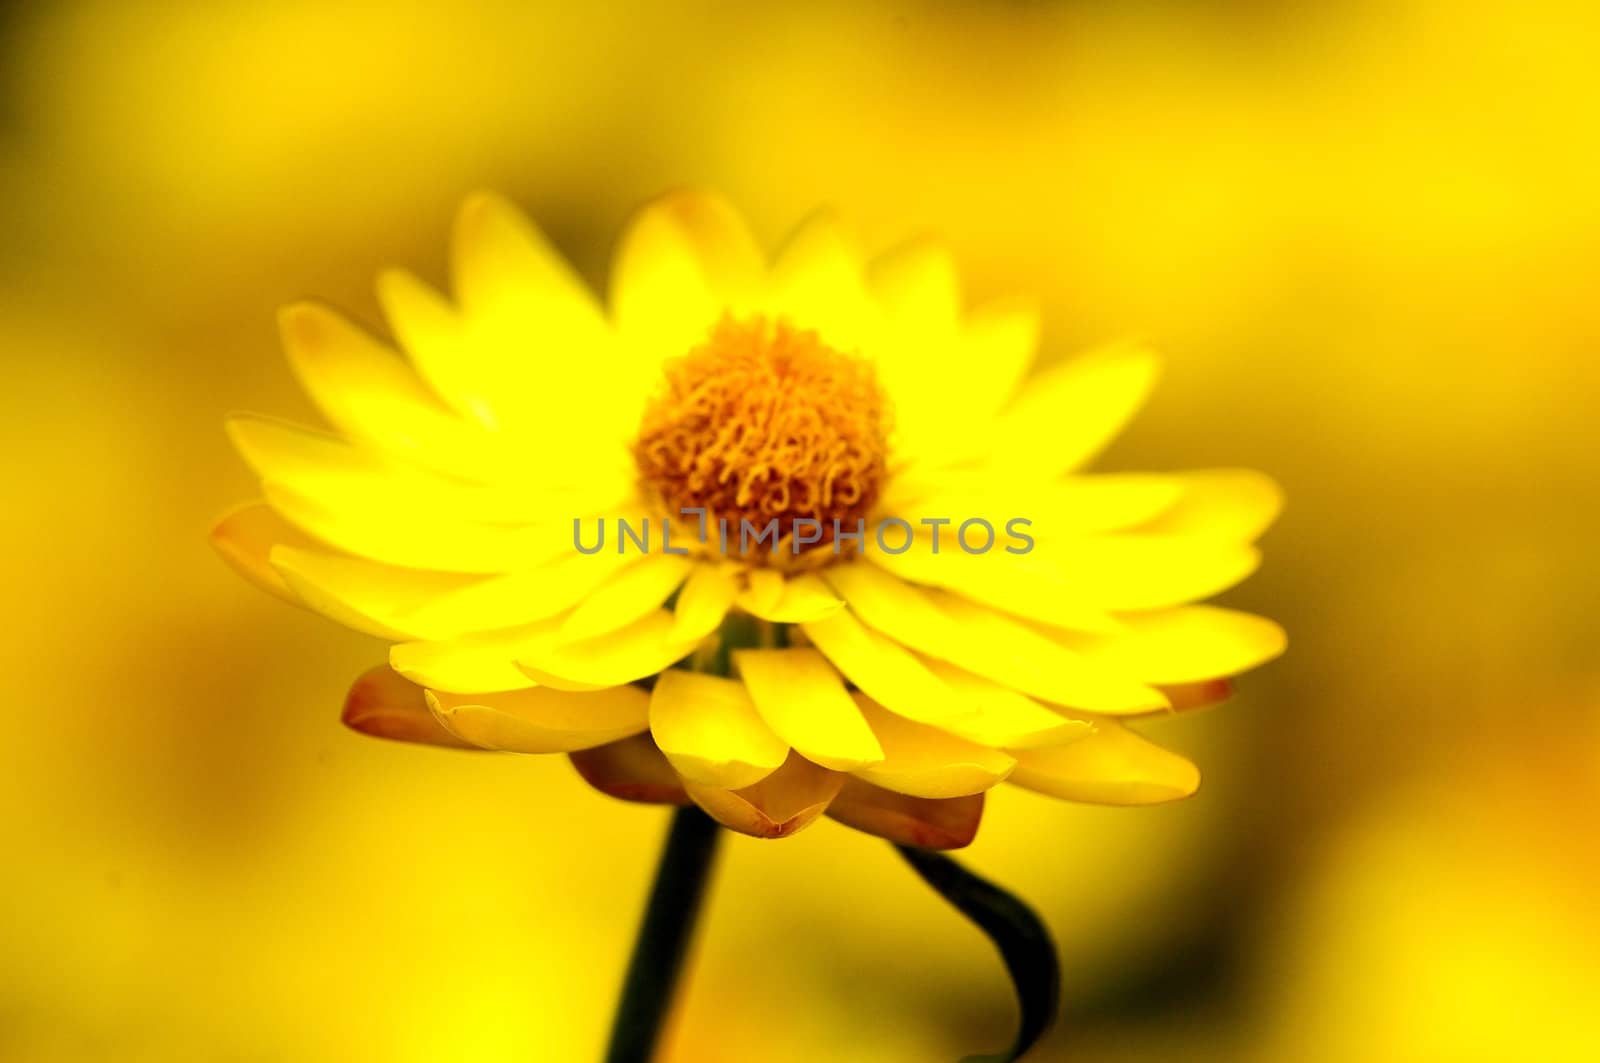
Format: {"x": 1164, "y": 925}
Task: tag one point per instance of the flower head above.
{"x": 778, "y": 538}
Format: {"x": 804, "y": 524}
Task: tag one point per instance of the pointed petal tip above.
{"x": 782, "y": 804}
{"x": 381, "y": 704}
{"x": 738, "y": 814}
{"x": 632, "y": 769}
{"x": 1116, "y": 767}
{"x": 305, "y": 325}
{"x": 1203, "y": 694}
{"x": 689, "y": 201}
{"x": 481, "y": 204}
{"x": 394, "y": 283}
{"x": 243, "y": 538}
{"x": 951, "y": 823}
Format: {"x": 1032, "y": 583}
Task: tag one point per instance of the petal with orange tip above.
{"x": 631, "y": 770}
{"x": 922, "y": 822}
{"x": 1207, "y": 692}
{"x": 244, "y": 538}
{"x": 785, "y": 802}
{"x": 384, "y": 705}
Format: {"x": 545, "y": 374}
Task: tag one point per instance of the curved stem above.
{"x": 663, "y": 941}
{"x": 1016, "y": 930}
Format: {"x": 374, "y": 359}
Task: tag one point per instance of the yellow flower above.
{"x": 945, "y": 602}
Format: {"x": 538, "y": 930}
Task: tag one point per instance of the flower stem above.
{"x": 663, "y": 940}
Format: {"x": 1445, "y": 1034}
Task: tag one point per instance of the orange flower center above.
{"x": 765, "y": 422}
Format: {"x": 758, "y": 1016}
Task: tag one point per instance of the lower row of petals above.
{"x": 928, "y": 790}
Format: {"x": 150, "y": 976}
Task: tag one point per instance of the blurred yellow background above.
{"x": 1366, "y": 236}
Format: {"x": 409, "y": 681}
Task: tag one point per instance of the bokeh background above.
{"x": 1365, "y": 234}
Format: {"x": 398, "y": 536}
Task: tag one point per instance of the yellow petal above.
{"x": 1067, "y": 415}
{"x": 432, "y": 334}
{"x": 1207, "y": 692}
{"x": 999, "y": 716}
{"x": 787, "y": 801}
{"x": 537, "y": 339}
{"x": 818, "y": 283}
{"x": 1231, "y": 504}
{"x": 986, "y": 643}
{"x": 917, "y": 286}
{"x": 804, "y": 701}
{"x": 702, "y": 603}
{"x": 800, "y": 599}
{"x": 1184, "y": 645}
{"x": 1103, "y": 503}
{"x": 885, "y": 670}
{"x": 367, "y": 392}
{"x": 346, "y": 477}
{"x": 997, "y": 346}
{"x": 1073, "y": 505}
{"x": 399, "y": 534}
{"x": 924, "y": 761}
{"x": 1002, "y": 649}
{"x": 360, "y": 594}
{"x": 1060, "y": 577}
{"x": 763, "y": 588}
{"x": 685, "y": 260}
{"x": 631, "y": 770}
{"x": 643, "y": 648}
{"x": 245, "y": 536}
{"x": 1114, "y": 766}
{"x": 340, "y": 476}
{"x": 917, "y": 289}
{"x": 505, "y": 269}
{"x": 710, "y": 731}
{"x": 517, "y": 597}
{"x": 471, "y": 664}
{"x": 384, "y": 705}
{"x": 1016, "y": 584}
{"x": 541, "y": 720}
{"x": 1148, "y": 571}
{"x": 951, "y": 823}
{"x": 630, "y": 594}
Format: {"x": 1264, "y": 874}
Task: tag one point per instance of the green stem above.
{"x": 1016, "y": 930}
{"x": 663, "y": 941}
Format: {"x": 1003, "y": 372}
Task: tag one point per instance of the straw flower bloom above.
{"x": 936, "y": 599}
